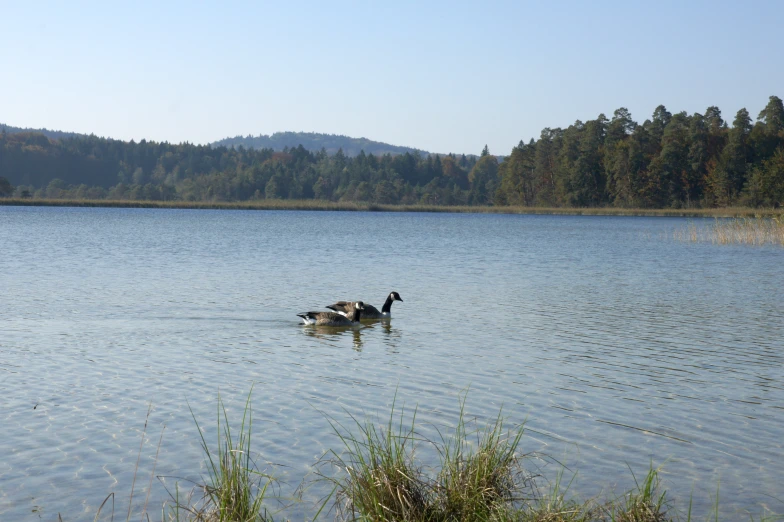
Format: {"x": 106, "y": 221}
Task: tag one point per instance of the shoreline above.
{"x": 320, "y": 205}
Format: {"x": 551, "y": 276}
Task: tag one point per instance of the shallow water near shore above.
{"x": 616, "y": 344}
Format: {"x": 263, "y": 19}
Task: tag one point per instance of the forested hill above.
{"x": 55, "y": 135}
{"x": 314, "y": 142}
{"x": 671, "y": 160}
{"x": 278, "y": 141}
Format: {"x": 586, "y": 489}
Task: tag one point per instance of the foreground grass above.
{"x": 376, "y": 477}
{"x": 480, "y": 478}
{"x": 311, "y": 204}
{"x": 383, "y": 481}
{"x": 756, "y": 230}
{"x": 236, "y": 488}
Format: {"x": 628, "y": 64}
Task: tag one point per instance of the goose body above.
{"x": 370, "y": 311}
{"x": 334, "y": 318}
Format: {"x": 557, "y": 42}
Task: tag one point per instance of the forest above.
{"x": 669, "y": 161}
{"x": 316, "y": 141}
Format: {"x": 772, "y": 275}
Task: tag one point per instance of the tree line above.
{"x": 671, "y": 160}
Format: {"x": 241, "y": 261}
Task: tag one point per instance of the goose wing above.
{"x": 347, "y": 308}
{"x": 342, "y": 306}
{"x": 325, "y": 319}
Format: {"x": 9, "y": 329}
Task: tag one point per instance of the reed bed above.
{"x": 315, "y": 205}
{"x": 756, "y": 231}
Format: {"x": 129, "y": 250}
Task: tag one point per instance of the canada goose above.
{"x": 370, "y": 311}
{"x": 334, "y": 318}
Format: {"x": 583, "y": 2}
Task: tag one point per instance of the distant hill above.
{"x": 52, "y": 134}
{"x": 314, "y": 142}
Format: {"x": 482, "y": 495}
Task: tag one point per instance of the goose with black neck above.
{"x": 370, "y": 311}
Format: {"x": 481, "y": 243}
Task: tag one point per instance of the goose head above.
{"x": 395, "y": 297}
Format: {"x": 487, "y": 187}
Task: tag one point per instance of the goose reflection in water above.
{"x": 329, "y": 333}
{"x": 390, "y": 337}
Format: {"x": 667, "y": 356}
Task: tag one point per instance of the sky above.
{"x": 439, "y": 76}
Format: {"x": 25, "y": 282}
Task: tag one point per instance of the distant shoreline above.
{"x": 319, "y": 205}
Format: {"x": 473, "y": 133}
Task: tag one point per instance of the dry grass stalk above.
{"x": 755, "y": 231}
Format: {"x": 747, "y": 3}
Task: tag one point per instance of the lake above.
{"x": 617, "y": 345}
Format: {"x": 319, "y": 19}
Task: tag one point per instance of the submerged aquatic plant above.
{"x": 111, "y": 496}
{"x": 235, "y": 489}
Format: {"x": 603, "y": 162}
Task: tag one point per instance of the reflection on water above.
{"x": 615, "y": 343}
{"x": 333, "y": 334}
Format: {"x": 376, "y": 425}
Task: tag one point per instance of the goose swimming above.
{"x": 334, "y": 318}
{"x": 370, "y": 311}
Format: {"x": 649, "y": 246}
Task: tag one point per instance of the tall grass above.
{"x": 645, "y": 503}
{"x": 750, "y": 231}
{"x": 382, "y": 481}
{"x": 479, "y": 482}
{"x": 480, "y": 476}
{"x": 235, "y": 489}
{"x": 757, "y": 230}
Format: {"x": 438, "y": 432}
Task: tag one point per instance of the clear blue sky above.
{"x": 440, "y": 76}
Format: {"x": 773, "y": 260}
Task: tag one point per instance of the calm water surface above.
{"x": 617, "y": 345}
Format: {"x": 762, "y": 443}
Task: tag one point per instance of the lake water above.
{"x": 616, "y": 344}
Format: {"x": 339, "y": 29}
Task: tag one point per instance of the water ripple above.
{"x": 614, "y": 344}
